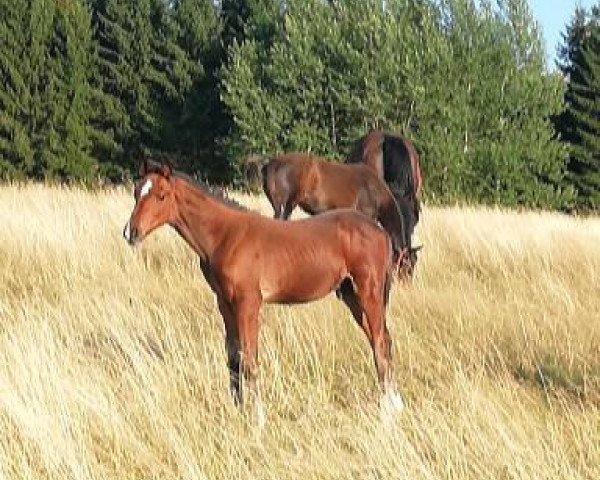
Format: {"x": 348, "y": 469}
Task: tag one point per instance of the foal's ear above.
{"x": 167, "y": 170}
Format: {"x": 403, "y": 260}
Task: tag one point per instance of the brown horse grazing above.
{"x": 317, "y": 185}
{"x": 248, "y": 259}
{"x": 394, "y": 158}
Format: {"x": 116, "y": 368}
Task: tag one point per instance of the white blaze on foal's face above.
{"x": 146, "y": 187}
{"x": 128, "y": 232}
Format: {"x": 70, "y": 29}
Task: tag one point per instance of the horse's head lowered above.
{"x": 406, "y": 262}
{"x": 154, "y": 202}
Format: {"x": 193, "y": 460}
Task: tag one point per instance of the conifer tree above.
{"x": 195, "y": 121}
{"x": 16, "y": 150}
{"x": 124, "y": 34}
{"x": 579, "y": 124}
{"x": 66, "y": 150}
{"x": 466, "y": 80}
{"x": 585, "y": 163}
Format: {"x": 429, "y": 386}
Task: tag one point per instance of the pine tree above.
{"x": 585, "y": 108}
{"x": 332, "y": 72}
{"x": 66, "y": 150}
{"x": 157, "y": 63}
{"x": 16, "y": 150}
{"x": 465, "y": 79}
{"x": 195, "y": 122}
{"x": 580, "y": 122}
{"x": 249, "y": 29}
{"x": 234, "y": 15}
{"x": 46, "y": 57}
{"x": 485, "y": 107}
{"x": 91, "y": 84}
{"x": 124, "y": 35}
{"x": 569, "y": 55}
{"x": 252, "y": 20}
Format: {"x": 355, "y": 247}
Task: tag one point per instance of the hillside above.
{"x": 112, "y": 362}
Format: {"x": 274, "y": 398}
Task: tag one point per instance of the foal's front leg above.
{"x": 246, "y": 311}
{"x": 370, "y": 298}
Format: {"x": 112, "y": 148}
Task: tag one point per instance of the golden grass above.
{"x": 112, "y": 362}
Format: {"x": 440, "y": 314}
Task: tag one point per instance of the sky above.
{"x": 553, "y": 16}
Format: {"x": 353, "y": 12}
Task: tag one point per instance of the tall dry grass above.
{"x": 112, "y": 362}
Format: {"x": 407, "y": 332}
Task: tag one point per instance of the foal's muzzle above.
{"x": 131, "y": 234}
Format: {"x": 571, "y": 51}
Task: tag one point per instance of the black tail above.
{"x": 393, "y": 220}
{"x": 398, "y": 174}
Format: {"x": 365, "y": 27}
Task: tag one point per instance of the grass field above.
{"x": 112, "y": 363}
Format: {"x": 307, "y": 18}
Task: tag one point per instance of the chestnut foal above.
{"x": 248, "y": 259}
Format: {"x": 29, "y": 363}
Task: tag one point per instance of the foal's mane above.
{"x": 215, "y": 192}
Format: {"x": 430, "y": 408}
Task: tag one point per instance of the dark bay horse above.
{"x": 248, "y": 259}
{"x": 394, "y": 158}
{"x": 317, "y": 185}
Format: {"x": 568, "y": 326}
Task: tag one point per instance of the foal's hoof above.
{"x": 391, "y": 404}
{"x": 261, "y": 417}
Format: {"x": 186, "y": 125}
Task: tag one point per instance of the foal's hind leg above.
{"x": 348, "y": 296}
{"x": 232, "y": 345}
{"x": 370, "y": 293}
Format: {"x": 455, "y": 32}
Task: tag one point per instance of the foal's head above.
{"x": 154, "y": 202}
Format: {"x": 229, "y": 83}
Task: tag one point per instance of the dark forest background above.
{"x": 90, "y": 86}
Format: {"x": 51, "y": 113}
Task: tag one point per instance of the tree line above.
{"x": 90, "y": 86}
